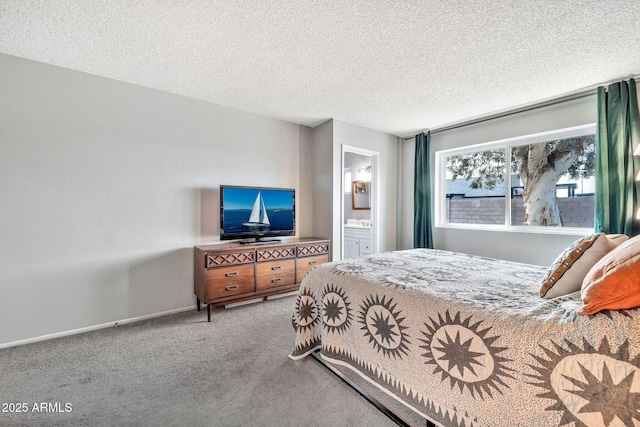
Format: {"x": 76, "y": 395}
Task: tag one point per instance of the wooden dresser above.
{"x": 231, "y": 272}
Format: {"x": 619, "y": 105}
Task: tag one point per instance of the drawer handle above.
{"x": 232, "y": 287}
{"x": 276, "y": 267}
{"x": 312, "y": 262}
{"x": 231, "y": 274}
{"x": 276, "y": 280}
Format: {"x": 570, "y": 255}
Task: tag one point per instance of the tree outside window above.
{"x": 550, "y": 182}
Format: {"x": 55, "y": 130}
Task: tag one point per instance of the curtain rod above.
{"x": 570, "y": 97}
{"x": 494, "y": 116}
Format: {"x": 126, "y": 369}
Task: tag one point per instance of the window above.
{"x": 347, "y": 180}
{"x": 549, "y": 181}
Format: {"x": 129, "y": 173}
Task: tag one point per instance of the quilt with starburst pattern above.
{"x": 466, "y": 340}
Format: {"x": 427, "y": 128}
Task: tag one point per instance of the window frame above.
{"x": 506, "y": 144}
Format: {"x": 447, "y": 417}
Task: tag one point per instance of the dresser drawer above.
{"x": 223, "y": 259}
{"x": 227, "y": 281}
{"x": 313, "y": 249}
{"x": 275, "y": 273}
{"x": 279, "y": 252}
{"x": 307, "y": 263}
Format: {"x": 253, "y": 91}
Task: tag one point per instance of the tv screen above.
{"x": 256, "y": 212}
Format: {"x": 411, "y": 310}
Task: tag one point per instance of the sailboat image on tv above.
{"x": 258, "y": 217}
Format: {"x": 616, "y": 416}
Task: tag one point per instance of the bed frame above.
{"x": 363, "y": 393}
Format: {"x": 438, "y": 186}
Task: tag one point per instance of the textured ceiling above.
{"x": 396, "y": 66}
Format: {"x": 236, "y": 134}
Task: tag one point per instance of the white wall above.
{"x": 386, "y": 145}
{"x": 305, "y": 194}
{"x": 322, "y": 165}
{"x": 529, "y": 247}
{"x": 327, "y": 141}
{"x": 406, "y": 155}
{"x": 106, "y": 186}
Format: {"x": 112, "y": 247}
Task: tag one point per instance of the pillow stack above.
{"x": 606, "y": 268}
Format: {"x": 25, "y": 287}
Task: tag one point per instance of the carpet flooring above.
{"x": 179, "y": 370}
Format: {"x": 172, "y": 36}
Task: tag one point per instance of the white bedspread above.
{"x": 467, "y": 341}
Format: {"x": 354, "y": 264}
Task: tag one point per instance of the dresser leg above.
{"x": 198, "y": 303}
{"x": 208, "y": 312}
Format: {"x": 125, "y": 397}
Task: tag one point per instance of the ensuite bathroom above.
{"x": 358, "y": 198}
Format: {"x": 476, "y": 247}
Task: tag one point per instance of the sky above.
{"x": 244, "y": 197}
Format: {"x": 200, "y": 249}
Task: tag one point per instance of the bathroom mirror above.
{"x": 361, "y": 195}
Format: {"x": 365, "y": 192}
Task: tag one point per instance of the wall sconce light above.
{"x": 363, "y": 173}
{"x": 367, "y": 169}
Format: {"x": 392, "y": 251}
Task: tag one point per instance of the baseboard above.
{"x": 245, "y": 302}
{"x": 95, "y": 327}
{"x": 260, "y": 299}
{"x": 276, "y": 296}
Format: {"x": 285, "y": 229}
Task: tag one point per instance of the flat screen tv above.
{"x": 257, "y": 213}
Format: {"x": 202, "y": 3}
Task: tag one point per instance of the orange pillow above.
{"x": 614, "y": 282}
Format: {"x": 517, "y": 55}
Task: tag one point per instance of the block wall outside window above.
{"x": 575, "y": 211}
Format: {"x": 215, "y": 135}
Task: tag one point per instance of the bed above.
{"x": 464, "y": 340}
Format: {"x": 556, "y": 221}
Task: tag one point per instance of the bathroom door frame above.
{"x": 375, "y": 193}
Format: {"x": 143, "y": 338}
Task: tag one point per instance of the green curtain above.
{"x": 618, "y": 135}
{"x": 422, "y": 222}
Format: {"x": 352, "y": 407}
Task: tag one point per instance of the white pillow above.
{"x": 570, "y": 267}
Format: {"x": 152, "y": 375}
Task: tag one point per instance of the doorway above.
{"x": 359, "y": 202}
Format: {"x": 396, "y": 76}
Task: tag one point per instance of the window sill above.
{"x": 567, "y": 231}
